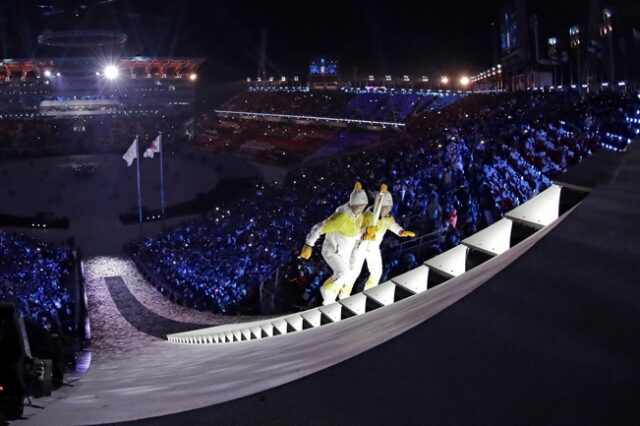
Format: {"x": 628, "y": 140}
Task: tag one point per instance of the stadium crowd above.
{"x": 455, "y": 171}
{"x": 364, "y": 105}
{"x": 286, "y": 141}
{"x": 280, "y": 142}
{"x": 38, "y": 278}
{"x": 31, "y": 272}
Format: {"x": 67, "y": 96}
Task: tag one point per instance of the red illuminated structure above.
{"x": 134, "y": 67}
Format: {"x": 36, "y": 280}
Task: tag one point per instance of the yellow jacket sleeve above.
{"x": 334, "y": 223}
{"x": 331, "y": 224}
{"x": 367, "y": 219}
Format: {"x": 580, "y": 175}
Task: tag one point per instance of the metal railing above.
{"x": 269, "y": 294}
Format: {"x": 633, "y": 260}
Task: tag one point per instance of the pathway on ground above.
{"x": 139, "y": 316}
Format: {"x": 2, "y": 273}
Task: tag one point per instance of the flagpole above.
{"x": 161, "y": 177}
{"x": 139, "y": 191}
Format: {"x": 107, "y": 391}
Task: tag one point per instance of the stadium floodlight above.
{"x": 371, "y": 78}
{"x": 47, "y": 73}
{"x": 271, "y": 79}
{"x": 444, "y": 79}
{"x": 405, "y": 78}
{"x": 295, "y": 78}
{"x": 464, "y": 80}
{"x": 283, "y": 79}
{"x": 387, "y": 78}
{"x": 193, "y": 76}
{"x": 425, "y": 79}
{"x": 248, "y": 79}
{"x": 111, "y": 72}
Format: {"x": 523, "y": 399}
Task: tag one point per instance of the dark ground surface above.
{"x": 139, "y": 316}
{"x": 601, "y": 168}
{"x": 552, "y": 339}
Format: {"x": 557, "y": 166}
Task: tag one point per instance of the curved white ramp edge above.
{"x": 165, "y": 378}
{"x": 495, "y": 240}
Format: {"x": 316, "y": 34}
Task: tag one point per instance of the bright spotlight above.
{"x": 47, "y": 73}
{"x": 111, "y": 72}
{"x": 193, "y": 76}
{"x": 464, "y": 80}
{"x": 444, "y": 79}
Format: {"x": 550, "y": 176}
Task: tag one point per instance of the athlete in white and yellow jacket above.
{"x": 342, "y": 230}
{"x": 369, "y": 248}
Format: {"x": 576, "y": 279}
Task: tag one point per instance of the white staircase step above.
{"x": 280, "y": 325}
{"x": 356, "y": 303}
{"x": 313, "y": 317}
{"x": 415, "y": 280}
{"x": 540, "y": 210}
{"x": 450, "y": 263}
{"x": 382, "y": 293}
{"x": 494, "y": 239}
{"x": 295, "y": 321}
{"x": 332, "y": 311}
{"x": 267, "y": 328}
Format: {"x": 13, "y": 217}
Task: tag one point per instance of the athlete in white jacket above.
{"x": 342, "y": 230}
{"x": 369, "y": 248}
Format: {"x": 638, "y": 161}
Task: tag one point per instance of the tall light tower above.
{"x": 574, "y": 37}
{"x": 552, "y": 44}
{"x": 606, "y": 31}
{"x": 533, "y": 22}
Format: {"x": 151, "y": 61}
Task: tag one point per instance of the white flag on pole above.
{"x": 154, "y": 147}
{"x": 132, "y": 152}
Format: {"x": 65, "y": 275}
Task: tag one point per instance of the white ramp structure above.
{"x": 208, "y": 366}
{"x": 495, "y": 241}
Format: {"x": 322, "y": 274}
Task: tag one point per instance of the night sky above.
{"x": 377, "y": 37}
